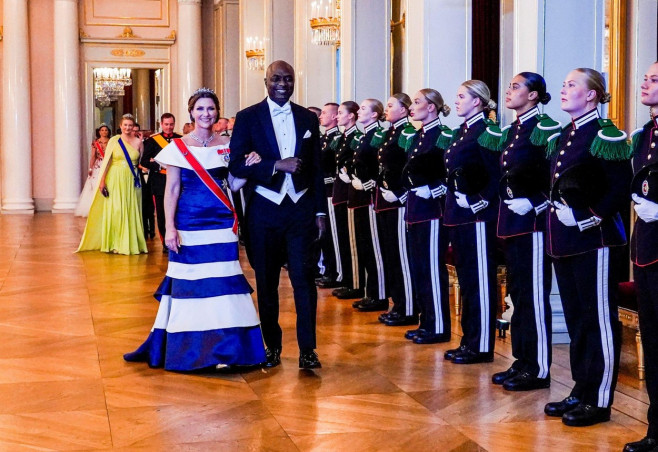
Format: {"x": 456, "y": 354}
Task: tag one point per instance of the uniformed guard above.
{"x": 590, "y": 176}
{"x": 392, "y": 156}
{"x": 424, "y": 178}
{"x": 523, "y": 190}
{"x": 471, "y": 211}
{"x": 350, "y": 286}
{"x": 332, "y": 273}
{"x": 157, "y": 178}
{"x": 644, "y": 250}
{"x": 363, "y": 172}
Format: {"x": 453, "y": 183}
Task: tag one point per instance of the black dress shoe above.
{"x": 326, "y": 282}
{"x": 371, "y": 305}
{"x": 410, "y": 334}
{"x": 584, "y": 415}
{"x": 309, "y": 360}
{"x": 338, "y": 290}
{"x": 396, "y": 319}
{"x": 526, "y": 382}
{"x": 499, "y": 377}
{"x": 384, "y": 316}
{"x": 558, "y": 409}
{"x": 272, "y": 357}
{"x": 468, "y": 356}
{"x": 646, "y": 444}
{"x": 350, "y": 294}
{"x": 449, "y": 354}
{"x": 431, "y": 338}
{"x": 359, "y": 301}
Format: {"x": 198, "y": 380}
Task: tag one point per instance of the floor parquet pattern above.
{"x": 66, "y": 319}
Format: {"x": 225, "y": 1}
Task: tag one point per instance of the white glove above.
{"x": 356, "y": 183}
{"x": 565, "y": 214}
{"x": 369, "y": 185}
{"x": 388, "y": 195}
{"x": 645, "y": 209}
{"x": 344, "y": 176}
{"x": 519, "y": 206}
{"x": 422, "y": 192}
{"x": 461, "y": 200}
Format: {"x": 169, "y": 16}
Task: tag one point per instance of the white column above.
{"x": 66, "y": 66}
{"x": 16, "y": 121}
{"x": 430, "y": 62}
{"x": 190, "y": 60}
{"x": 227, "y": 60}
{"x": 142, "y": 97}
{"x": 365, "y": 50}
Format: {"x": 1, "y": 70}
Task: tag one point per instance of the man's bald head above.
{"x": 280, "y": 81}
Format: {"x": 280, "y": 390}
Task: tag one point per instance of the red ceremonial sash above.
{"x": 100, "y": 149}
{"x": 207, "y": 180}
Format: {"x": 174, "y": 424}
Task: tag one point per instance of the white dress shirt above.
{"x": 284, "y": 129}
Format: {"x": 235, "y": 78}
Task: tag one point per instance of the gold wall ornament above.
{"x": 171, "y": 35}
{"x": 402, "y": 21}
{"x": 2, "y": 30}
{"x": 127, "y": 33}
{"x": 128, "y": 52}
{"x": 616, "y": 30}
{"x": 82, "y": 33}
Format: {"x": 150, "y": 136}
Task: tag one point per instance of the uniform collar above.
{"x": 350, "y": 131}
{"x": 534, "y": 111}
{"x": 401, "y": 122}
{"x": 432, "y": 124}
{"x": 584, "y": 119}
{"x": 473, "y": 119}
{"x": 371, "y": 126}
{"x": 334, "y": 129}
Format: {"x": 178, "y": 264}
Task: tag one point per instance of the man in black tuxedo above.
{"x": 157, "y": 175}
{"x": 286, "y": 206}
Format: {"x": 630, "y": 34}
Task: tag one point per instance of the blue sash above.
{"x": 130, "y": 164}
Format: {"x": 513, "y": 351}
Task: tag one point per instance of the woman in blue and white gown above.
{"x": 206, "y": 316}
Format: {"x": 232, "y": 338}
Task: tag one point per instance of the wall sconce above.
{"x": 255, "y": 53}
{"x": 325, "y": 22}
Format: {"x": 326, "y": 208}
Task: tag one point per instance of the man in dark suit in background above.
{"x": 157, "y": 175}
{"x": 286, "y": 206}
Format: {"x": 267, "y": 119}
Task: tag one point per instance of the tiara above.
{"x": 128, "y": 116}
{"x": 202, "y": 91}
{"x": 102, "y": 124}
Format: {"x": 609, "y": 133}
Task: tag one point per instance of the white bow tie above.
{"x": 285, "y": 110}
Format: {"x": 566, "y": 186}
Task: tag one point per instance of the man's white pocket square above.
{"x": 307, "y": 134}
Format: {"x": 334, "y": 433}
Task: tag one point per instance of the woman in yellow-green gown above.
{"x": 114, "y": 224}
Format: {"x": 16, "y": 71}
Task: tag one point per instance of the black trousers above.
{"x": 427, "y": 249}
{"x": 348, "y": 263}
{"x": 148, "y": 209}
{"x": 369, "y": 252}
{"x": 588, "y": 289}
{"x": 279, "y": 234}
{"x": 474, "y": 246}
{"x": 646, "y": 284}
{"x": 160, "y": 214}
{"x": 328, "y": 245}
{"x": 529, "y": 286}
{"x": 397, "y": 271}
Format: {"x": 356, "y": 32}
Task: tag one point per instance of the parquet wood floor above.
{"x": 66, "y": 319}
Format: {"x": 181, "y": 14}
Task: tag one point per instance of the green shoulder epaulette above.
{"x": 407, "y": 136}
{"x": 610, "y": 143}
{"x": 334, "y": 141}
{"x": 445, "y": 137}
{"x": 551, "y": 144}
{"x": 545, "y": 128}
{"x": 635, "y": 139}
{"x": 378, "y": 137}
{"x": 490, "y": 138}
{"x": 356, "y": 139}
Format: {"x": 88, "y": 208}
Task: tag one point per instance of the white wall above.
{"x": 252, "y": 20}
{"x": 227, "y": 55}
{"x": 642, "y": 53}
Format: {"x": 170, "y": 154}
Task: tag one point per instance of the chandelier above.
{"x": 109, "y": 84}
{"x": 325, "y": 22}
{"x": 255, "y": 54}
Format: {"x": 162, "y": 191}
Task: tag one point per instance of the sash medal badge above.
{"x": 645, "y": 187}
{"x": 226, "y": 153}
